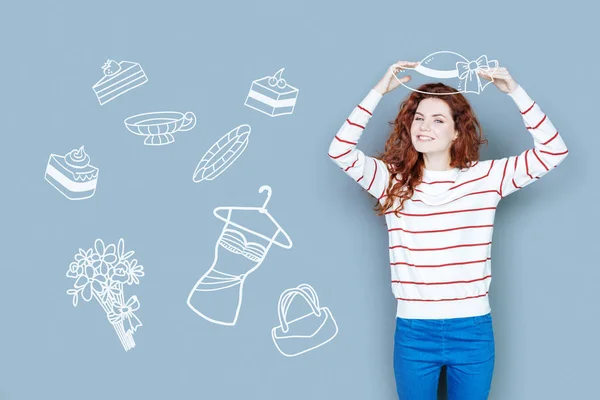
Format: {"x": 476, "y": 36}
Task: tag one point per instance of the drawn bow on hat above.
{"x": 124, "y": 312}
{"x": 468, "y": 70}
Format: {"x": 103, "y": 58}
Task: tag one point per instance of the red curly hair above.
{"x": 402, "y": 158}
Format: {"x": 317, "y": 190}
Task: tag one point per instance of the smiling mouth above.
{"x": 425, "y": 138}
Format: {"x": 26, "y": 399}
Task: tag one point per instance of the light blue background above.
{"x": 202, "y": 57}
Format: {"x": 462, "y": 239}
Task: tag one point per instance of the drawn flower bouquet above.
{"x": 100, "y": 273}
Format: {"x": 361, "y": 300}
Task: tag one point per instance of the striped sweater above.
{"x": 440, "y": 246}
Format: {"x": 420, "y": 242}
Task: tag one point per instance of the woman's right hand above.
{"x": 389, "y": 81}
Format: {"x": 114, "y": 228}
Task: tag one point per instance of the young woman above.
{"x": 439, "y": 203}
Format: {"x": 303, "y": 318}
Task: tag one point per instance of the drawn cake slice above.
{"x": 118, "y": 78}
{"x": 272, "y": 95}
{"x": 72, "y": 174}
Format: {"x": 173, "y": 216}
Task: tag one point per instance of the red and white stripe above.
{"x": 440, "y": 244}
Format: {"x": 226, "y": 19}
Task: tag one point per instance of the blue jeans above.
{"x": 464, "y": 345}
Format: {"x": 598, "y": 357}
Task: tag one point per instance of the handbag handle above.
{"x": 286, "y": 298}
{"x": 306, "y": 288}
{"x": 309, "y": 291}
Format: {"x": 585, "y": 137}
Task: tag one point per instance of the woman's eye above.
{"x": 421, "y": 118}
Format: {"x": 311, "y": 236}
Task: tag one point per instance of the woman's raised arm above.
{"x": 372, "y": 174}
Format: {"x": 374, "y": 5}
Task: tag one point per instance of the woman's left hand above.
{"x": 502, "y": 79}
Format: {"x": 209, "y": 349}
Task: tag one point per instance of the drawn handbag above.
{"x": 304, "y": 333}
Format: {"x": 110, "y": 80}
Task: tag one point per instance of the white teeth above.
{"x": 424, "y": 137}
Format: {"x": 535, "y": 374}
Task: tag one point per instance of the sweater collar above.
{"x": 446, "y": 175}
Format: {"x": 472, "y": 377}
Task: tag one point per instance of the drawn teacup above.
{"x": 158, "y": 127}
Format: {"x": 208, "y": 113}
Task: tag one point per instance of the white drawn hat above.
{"x": 451, "y": 69}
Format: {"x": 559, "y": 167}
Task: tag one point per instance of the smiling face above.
{"x": 432, "y": 129}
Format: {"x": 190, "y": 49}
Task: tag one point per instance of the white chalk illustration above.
{"x": 451, "y": 69}
{"x": 101, "y": 273}
{"x": 222, "y": 154}
{"x": 72, "y": 175}
{"x": 159, "y": 127}
{"x": 240, "y": 249}
{"x": 119, "y": 78}
{"x": 307, "y": 332}
{"x": 272, "y": 95}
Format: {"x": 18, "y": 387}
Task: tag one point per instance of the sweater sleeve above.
{"x": 370, "y": 173}
{"x": 513, "y": 173}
